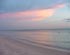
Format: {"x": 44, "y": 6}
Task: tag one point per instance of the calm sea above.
{"x": 52, "y": 38}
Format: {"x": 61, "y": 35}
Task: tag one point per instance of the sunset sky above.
{"x": 34, "y": 14}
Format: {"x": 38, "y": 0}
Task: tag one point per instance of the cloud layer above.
{"x": 33, "y": 15}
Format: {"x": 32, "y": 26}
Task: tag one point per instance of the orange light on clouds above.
{"x": 33, "y": 15}
{"x": 42, "y": 14}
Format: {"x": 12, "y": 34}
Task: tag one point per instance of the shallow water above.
{"x": 54, "y": 38}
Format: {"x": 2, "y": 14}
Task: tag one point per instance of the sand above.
{"x": 10, "y": 46}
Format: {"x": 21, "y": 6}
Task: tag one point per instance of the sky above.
{"x": 34, "y": 14}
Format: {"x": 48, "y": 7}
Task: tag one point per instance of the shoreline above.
{"x": 14, "y": 47}
{"x": 44, "y": 46}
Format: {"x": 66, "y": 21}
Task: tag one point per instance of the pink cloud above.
{"x": 33, "y": 15}
{"x": 59, "y": 6}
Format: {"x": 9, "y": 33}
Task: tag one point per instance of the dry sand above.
{"x": 12, "y": 47}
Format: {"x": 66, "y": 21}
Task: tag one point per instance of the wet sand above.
{"x": 10, "y": 46}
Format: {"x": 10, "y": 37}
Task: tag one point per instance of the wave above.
{"x": 36, "y": 44}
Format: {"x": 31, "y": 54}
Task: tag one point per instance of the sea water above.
{"x": 52, "y": 38}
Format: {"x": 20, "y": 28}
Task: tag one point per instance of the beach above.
{"x": 34, "y": 27}
{"x": 10, "y": 46}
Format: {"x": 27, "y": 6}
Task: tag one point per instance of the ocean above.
{"x": 51, "y": 38}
